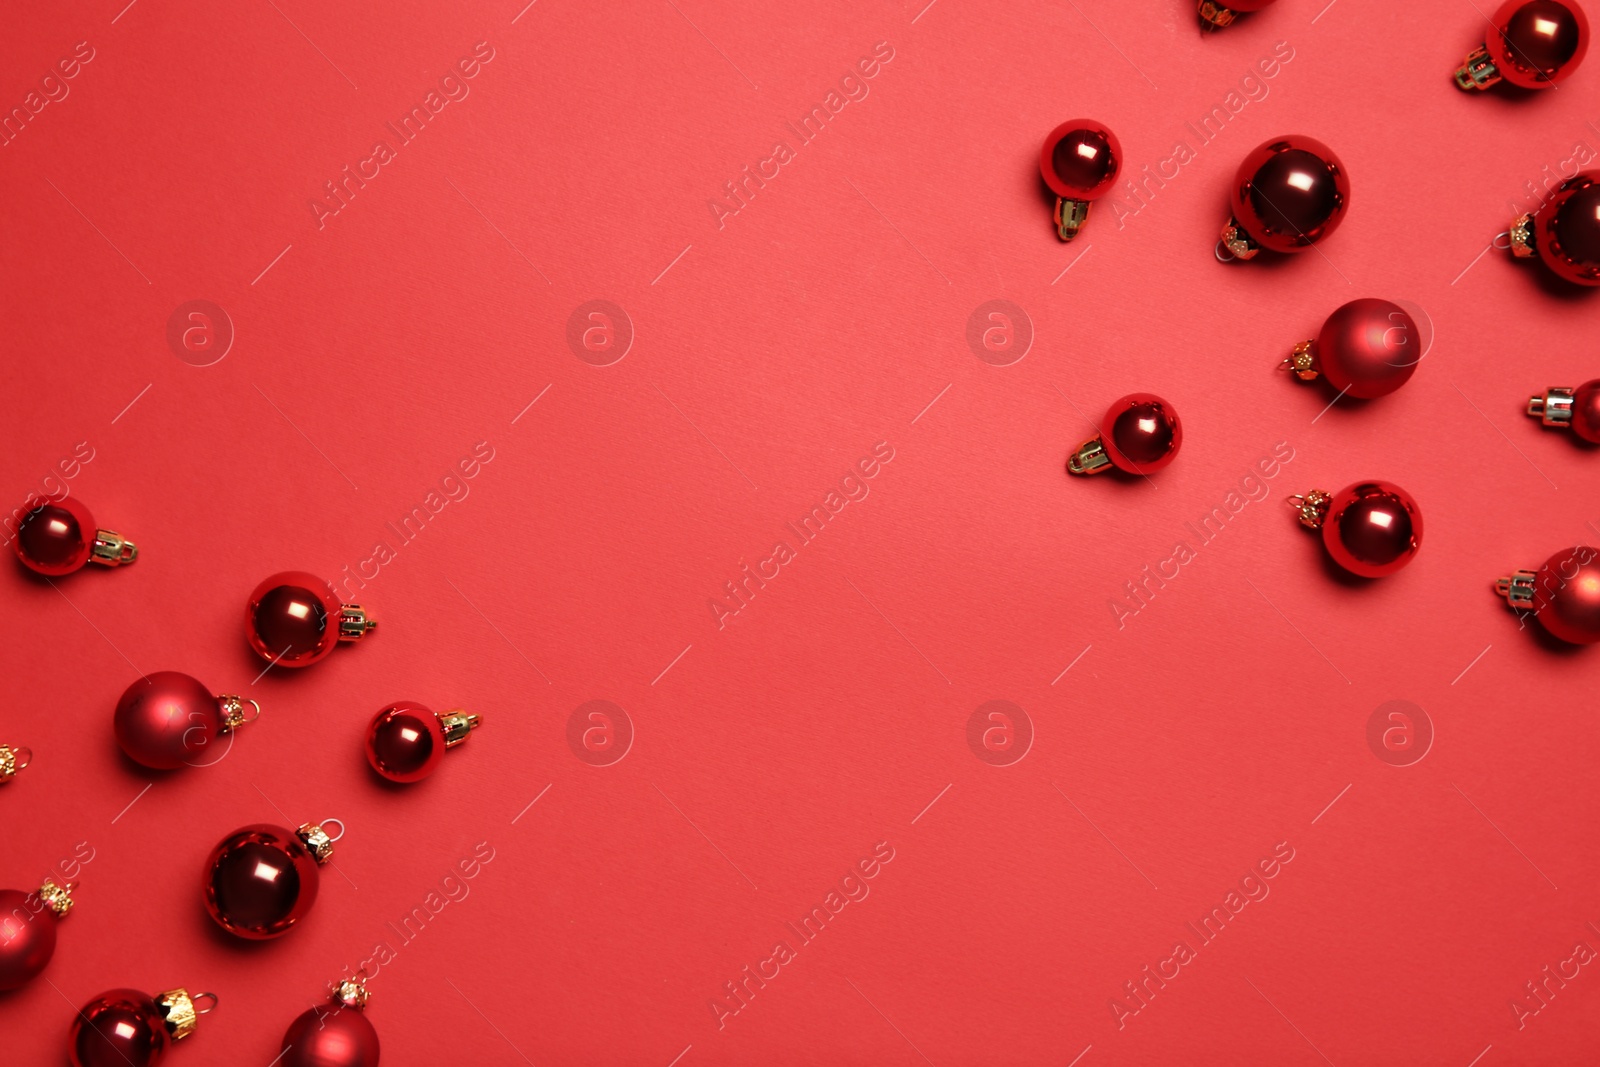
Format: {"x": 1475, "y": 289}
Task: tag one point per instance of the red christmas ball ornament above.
{"x": 293, "y": 619}
{"x": 1368, "y": 348}
{"x": 28, "y": 931}
{"x": 1564, "y": 594}
{"x": 1533, "y": 45}
{"x": 1080, "y": 162}
{"x": 262, "y": 879}
{"x": 406, "y": 741}
{"x": 341, "y": 1037}
{"x": 1371, "y": 529}
{"x": 1290, "y": 193}
{"x": 127, "y": 1028}
{"x": 12, "y": 760}
{"x": 168, "y": 720}
{"x": 1139, "y": 434}
{"x": 1214, "y": 16}
{"x": 1577, "y": 410}
{"x": 57, "y": 537}
{"x": 1565, "y": 231}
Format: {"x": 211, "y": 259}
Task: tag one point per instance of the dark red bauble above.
{"x": 1564, "y": 594}
{"x": 120, "y": 1028}
{"x": 57, "y": 537}
{"x": 1586, "y": 411}
{"x": 293, "y": 619}
{"x": 406, "y": 741}
{"x": 1565, "y": 231}
{"x": 127, "y": 1028}
{"x": 1368, "y": 348}
{"x": 1538, "y": 43}
{"x": 1577, "y": 409}
{"x": 1372, "y": 529}
{"x": 27, "y": 938}
{"x": 168, "y": 720}
{"x": 1141, "y": 433}
{"x": 322, "y": 1038}
{"x": 259, "y": 881}
{"x": 1080, "y": 159}
{"x": 1289, "y": 193}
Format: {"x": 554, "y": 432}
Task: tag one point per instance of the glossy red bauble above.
{"x": 1371, "y": 529}
{"x": 57, "y": 537}
{"x": 28, "y": 931}
{"x": 342, "y": 1038}
{"x": 261, "y": 880}
{"x": 168, "y": 720}
{"x": 1290, "y": 193}
{"x": 406, "y": 741}
{"x": 293, "y": 619}
{"x": 1079, "y": 161}
{"x": 1577, "y": 410}
{"x": 127, "y": 1028}
{"x": 1564, "y": 594}
{"x": 1140, "y": 434}
{"x": 1367, "y": 348}
{"x": 1533, "y": 44}
{"x": 1565, "y": 232}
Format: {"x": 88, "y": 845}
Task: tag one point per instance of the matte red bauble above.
{"x": 127, "y": 1028}
{"x": 168, "y": 720}
{"x": 406, "y": 741}
{"x": 1080, "y": 162}
{"x": 1289, "y": 193}
{"x": 57, "y": 537}
{"x": 261, "y": 880}
{"x": 1371, "y": 529}
{"x": 12, "y": 760}
{"x": 28, "y": 931}
{"x": 1565, "y": 232}
{"x": 1564, "y": 594}
{"x": 1533, "y": 44}
{"x": 1577, "y": 410}
{"x": 337, "y": 1037}
{"x": 1214, "y": 16}
{"x": 293, "y": 619}
{"x": 1368, "y": 348}
{"x": 1139, "y": 434}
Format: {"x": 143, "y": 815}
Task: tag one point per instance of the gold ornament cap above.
{"x": 233, "y": 711}
{"x": 13, "y": 760}
{"x": 57, "y": 897}
{"x": 182, "y": 1012}
{"x": 318, "y": 840}
{"x": 1521, "y": 236}
{"x": 1313, "y": 507}
{"x": 352, "y": 992}
{"x": 457, "y": 726}
{"x": 1520, "y": 589}
{"x": 1302, "y": 363}
{"x": 1213, "y": 16}
{"x": 354, "y": 623}
{"x": 111, "y": 549}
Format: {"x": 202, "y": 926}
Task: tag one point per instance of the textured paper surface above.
{"x": 765, "y": 353}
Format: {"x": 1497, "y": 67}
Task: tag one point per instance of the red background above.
{"x": 769, "y": 356}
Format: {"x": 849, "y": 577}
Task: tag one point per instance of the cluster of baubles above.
{"x": 1292, "y": 192}
{"x": 260, "y": 880}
